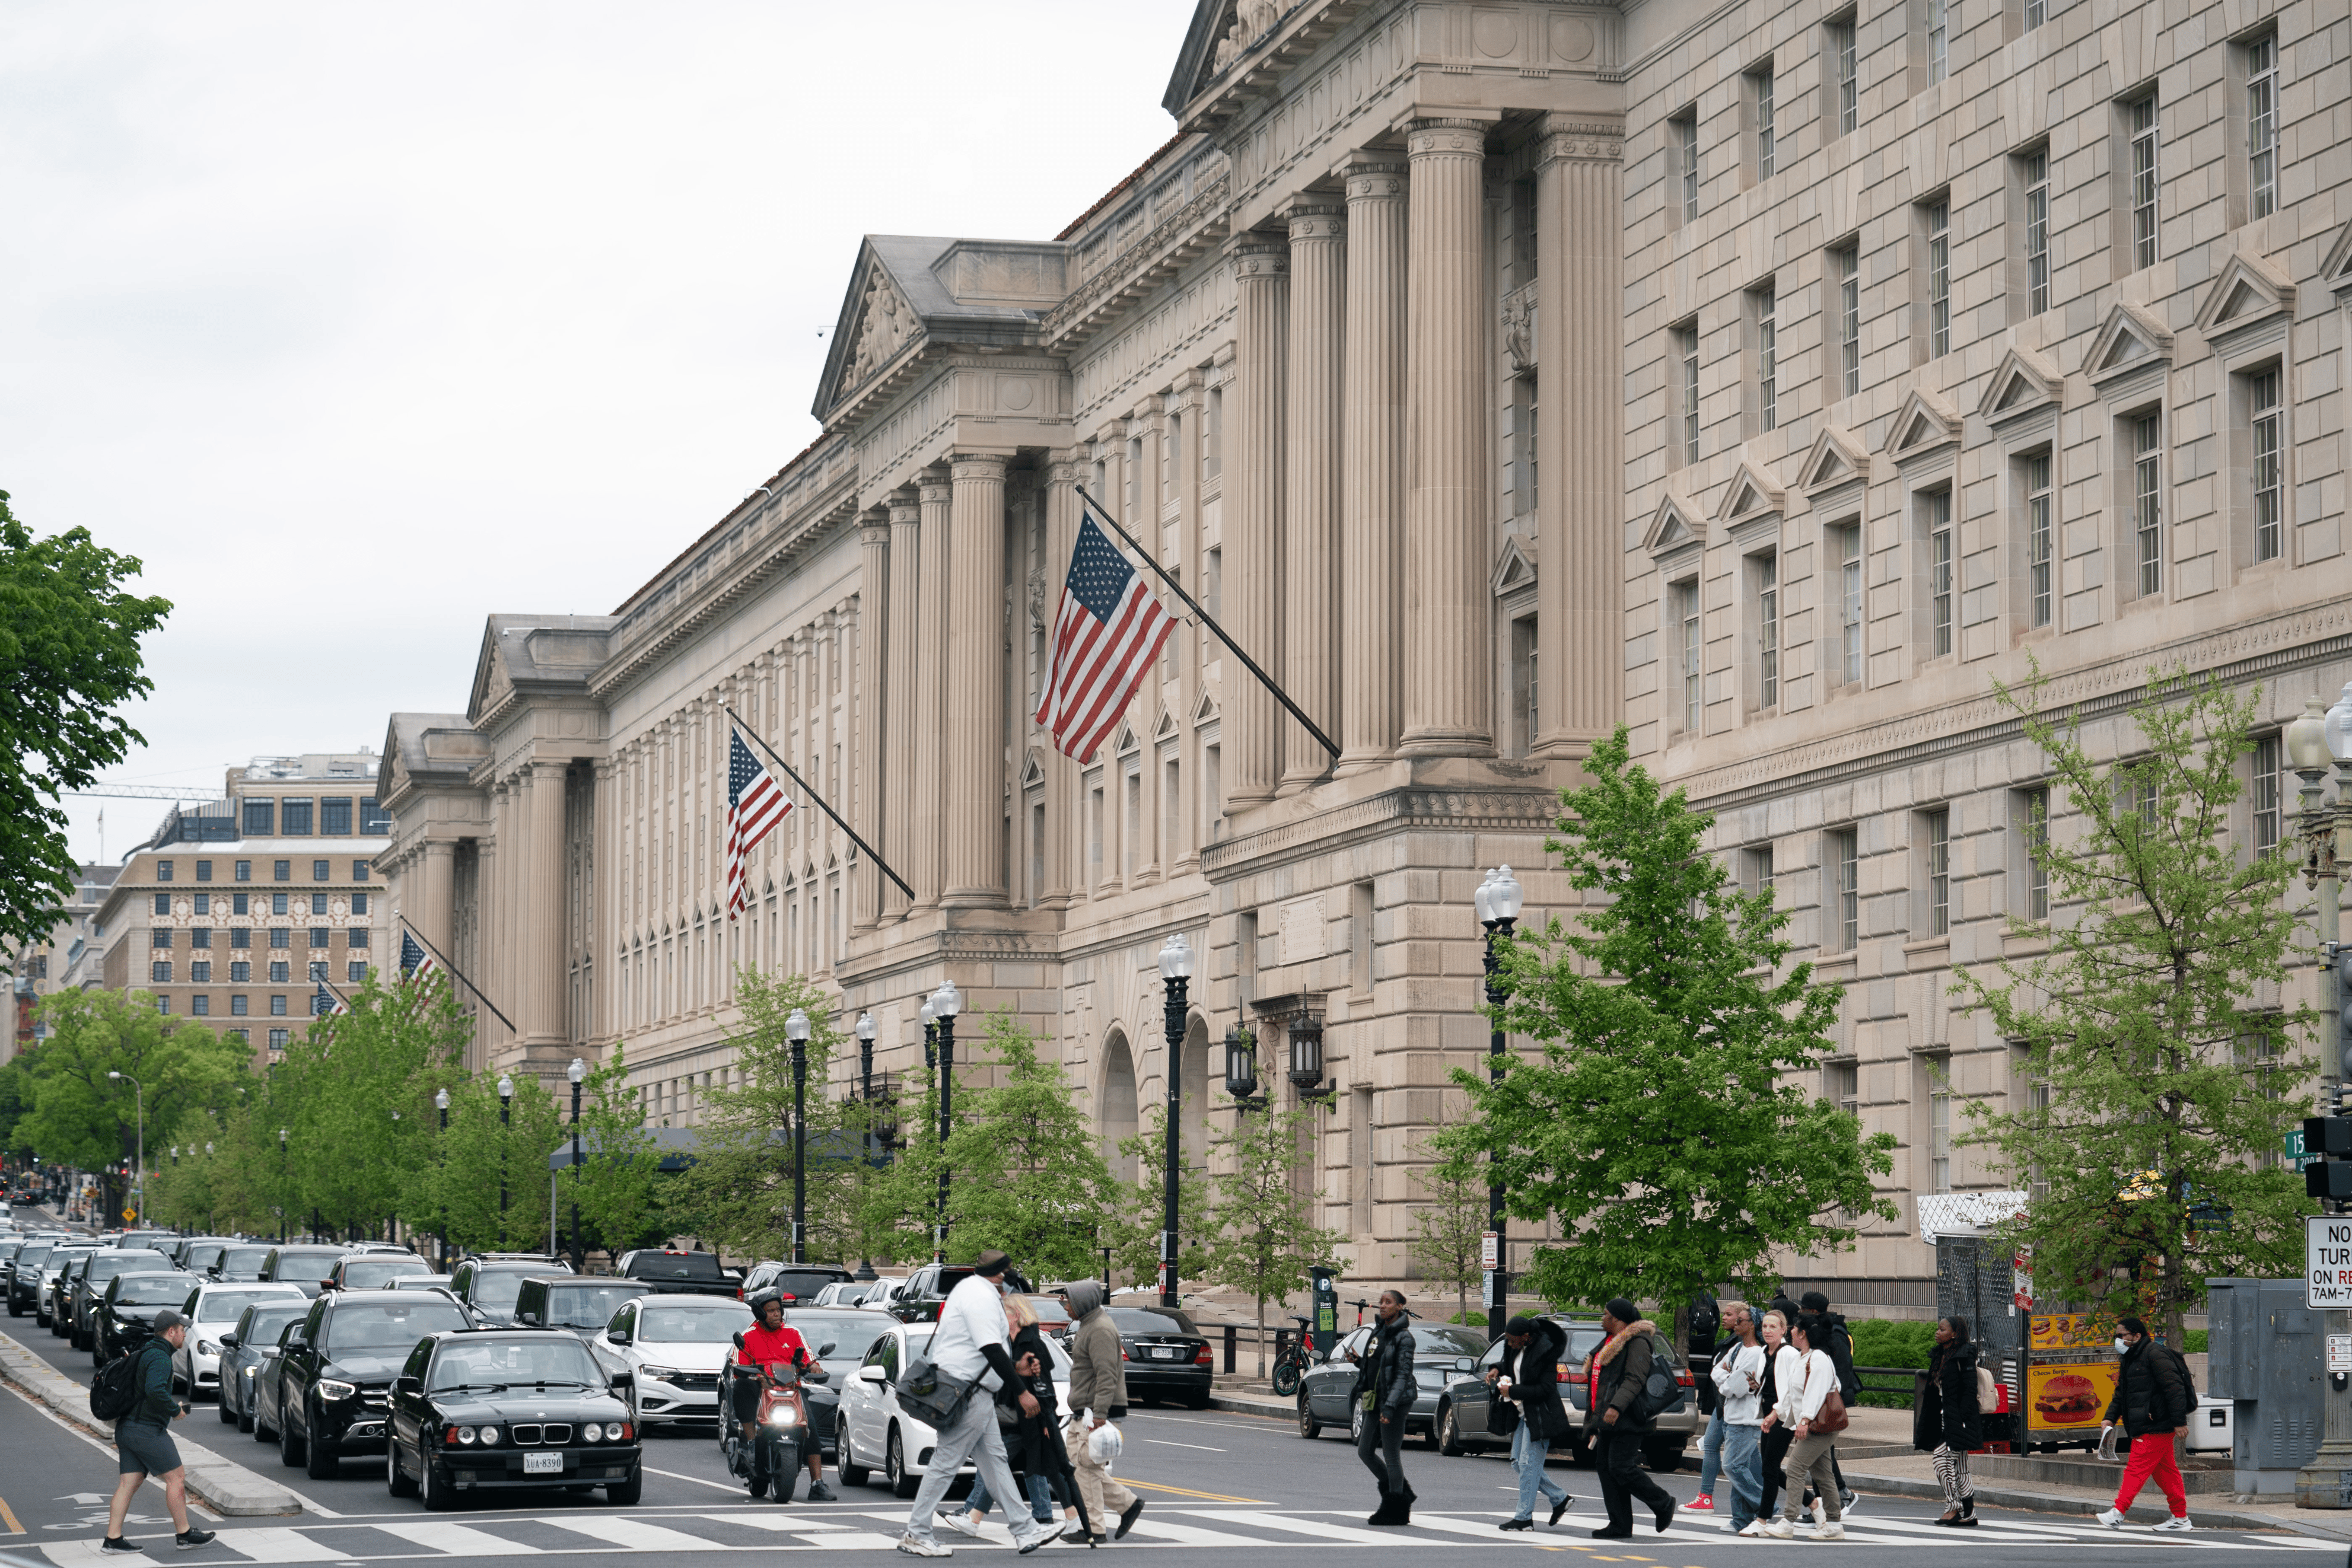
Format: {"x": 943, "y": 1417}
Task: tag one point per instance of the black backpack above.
{"x": 1662, "y": 1393}
{"x": 114, "y": 1392}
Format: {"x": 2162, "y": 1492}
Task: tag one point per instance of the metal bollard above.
{"x": 1233, "y": 1345}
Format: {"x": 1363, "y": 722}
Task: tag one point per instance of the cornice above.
{"x": 1191, "y": 230}
{"x": 1411, "y": 809}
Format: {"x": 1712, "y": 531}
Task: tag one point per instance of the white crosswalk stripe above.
{"x": 458, "y": 1540}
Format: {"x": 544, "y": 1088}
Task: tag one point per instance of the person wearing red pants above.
{"x": 2153, "y": 1402}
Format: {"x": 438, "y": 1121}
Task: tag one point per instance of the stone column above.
{"x": 1580, "y": 435}
{"x": 924, "y": 868}
{"x": 435, "y": 907}
{"x": 895, "y": 650}
{"x": 1190, "y": 405}
{"x": 542, "y": 917}
{"x": 1312, "y": 615}
{"x": 975, "y": 774}
{"x": 1373, "y": 478}
{"x": 1062, "y": 805}
{"x": 868, "y": 700}
{"x": 1448, "y": 681}
{"x": 1253, "y": 495}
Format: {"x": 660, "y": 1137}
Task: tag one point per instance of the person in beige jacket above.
{"x": 1097, "y": 1393}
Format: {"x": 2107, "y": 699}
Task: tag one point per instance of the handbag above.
{"x": 931, "y": 1395}
{"x": 1502, "y": 1416}
{"x": 1831, "y": 1416}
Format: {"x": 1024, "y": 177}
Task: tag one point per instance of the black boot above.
{"x": 1404, "y": 1508}
{"x": 1390, "y": 1510}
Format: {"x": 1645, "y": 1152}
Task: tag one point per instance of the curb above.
{"x": 1256, "y": 1405}
{"x": 219, "y": 1482}
{"x": 2052, "y": 1502}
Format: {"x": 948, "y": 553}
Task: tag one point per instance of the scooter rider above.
{"x": 772, "y": 1339}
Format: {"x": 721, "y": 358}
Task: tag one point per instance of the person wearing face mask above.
{"x": 2152, "y": 1402}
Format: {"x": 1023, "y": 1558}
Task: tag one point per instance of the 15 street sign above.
{"x": 2293, "y": 1149}
{"x": 2327, "y": 1260}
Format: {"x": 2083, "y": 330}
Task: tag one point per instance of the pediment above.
{"x": 1924, "y": 423}
{"x": 2335, "y": 272}
{"x": 1033, "y": 772}
{"x": 1126, "y": 740}
{"x": 1751, "y": 494}
{"x": 1673, "y": 526}
{"x": 1837, "y": 457}
{"x": 2130, "y": 339}
{"x": 1166, "y": 728}
{"x": 879, "y": 332}
{"x": 2023, "y": 381}
{"x": 1513, "y": 569}
{"x": 1204, "y": 711}
{"x": 2247, "y": 291}
{"x": 1221, "y": 34}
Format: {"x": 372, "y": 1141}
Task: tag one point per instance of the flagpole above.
{"x": 1176, "y": 588}
{"x": 879, "y": 864}
{"x": 458, "y": 974}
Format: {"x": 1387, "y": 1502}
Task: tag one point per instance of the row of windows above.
{"x": 242, "y": 902}
{"x": 266, "y": 817}
{"x": 278, "y": 1037}
{"x": 355, "y": 936}
{"x": 280, "y": 871}
{"x": 201, "y": 974}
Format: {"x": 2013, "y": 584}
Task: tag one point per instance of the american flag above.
{"x": 416, "y": 963}
{"x": 755, "y": 804}
{"x": 327, "y": 1004}
{"x": 1106, "y": 631}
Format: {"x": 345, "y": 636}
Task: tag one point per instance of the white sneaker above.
{"x": 1727, "y": 1528}
{"x": 1756, "y": 1527}
{"x": 2177, "y": 1525}
{"x": 1076, "y": 1530}
{"x": 1781, "y": 1530}
{"x": 2112, "y": 1519}
{"x": 960, "y": 1520}
{"x": 914, "y": 1548}
{"x": 1036, "y": 1536}
{"x": 1833, "y": 1530}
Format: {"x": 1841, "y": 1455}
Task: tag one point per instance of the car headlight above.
{"x": 336, "y": 1388}
{"x": 249, "y": 1371}
{"x": 465, "y": 1435}
{"x": 206, "y": 1347}
{"x": 592, "y": 1433}
{"x": 489, "y": 1437}
{"x": 664, "y": 1373}
{"x": 781, "y": 1416}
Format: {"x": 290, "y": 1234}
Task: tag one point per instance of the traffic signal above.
{"x": 2329, "y": 1137}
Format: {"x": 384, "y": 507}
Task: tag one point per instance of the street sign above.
{"x": 1490, "y": 1251}
{"x": 2294, "y": 1148}
{"x": 2339, "y": 1353}
{"x": 2327, "y": 1260}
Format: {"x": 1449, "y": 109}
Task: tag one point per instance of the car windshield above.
{"x": 223, "y": 1306}
{"x": 481, "y": 1360}
{"x": 1448, "y": 1339}
{"x": 267, "y": 1323}
{"x": 306, "y": 1264}
{"x": 107, "y": 1265}
{"x": 586, "y": 1305}
{"x": 200, "y": 1257}
{"x": 152, "y": 1289}
{"x": 368, "y": 1273}
{"x": 838, "y": 1333}
{"x": 691, "y": 1325}
{"x": 389, "y": 1325}
{"x": 8, "y": 1248}
{"x": 1140, "y": 1319}
{"x": 33, "y": 1256}
{"x": 799, "y": 1284}
{"x": 244, "y": 1260}
{"x": 495, "y": 1290}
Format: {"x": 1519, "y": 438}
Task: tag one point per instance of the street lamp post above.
{"x": 1176, "y": 971}
{"x": 796, "y": 1031}
{"x": 139, "y": 1098}
{"x": 946, "y": 1002}
{"x": 1499, "y": 899}
{"x": 285, "y": 1199}
{"x": 866, "y": 1098}
{"x": 441, "y": 1103}
{"x": 576, "y": 1071}
{"x": 505, "y": 1106}
{"x": 2314, "y": 742}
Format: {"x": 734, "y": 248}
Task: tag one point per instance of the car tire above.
{"x": 261, "y": 1434}
{"x": 624, "y": 1494}
{"x": 1308, "y": 1427}
{"x": 1198, "y": 1401}
{"x": 227, "y": 1416}
{"x": 324, "y": 1464}
{"x": 292, "y": 1451}
{"x": 1449, "y": 1432}
{"x": 894, "y": 1468}
{"x": 852, "y": 1473}
{"x": 395, "y": 1480}
{"x": 433, "y": 1486}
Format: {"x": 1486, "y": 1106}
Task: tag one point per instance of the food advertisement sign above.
{"x": 2067, "y": 1331}
{"x": 2068, "y": 1396}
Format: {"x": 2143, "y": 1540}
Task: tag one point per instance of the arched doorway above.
{"x": 1119, "y": 1107}
{"x": 1195, "y": 1086}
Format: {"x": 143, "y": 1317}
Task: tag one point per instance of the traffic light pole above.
{"x": 2327, "y": 1481}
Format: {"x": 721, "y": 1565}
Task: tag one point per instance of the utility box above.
{"x": 2267, "y": 1357}
{"x": 1975, "y": 1277}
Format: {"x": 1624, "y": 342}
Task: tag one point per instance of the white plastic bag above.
{"x": 1106, "y": 1445}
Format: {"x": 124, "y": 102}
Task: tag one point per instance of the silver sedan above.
{"x": 212, "y": 1309}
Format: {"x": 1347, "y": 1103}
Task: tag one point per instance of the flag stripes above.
{"x": 1106, "y": 631}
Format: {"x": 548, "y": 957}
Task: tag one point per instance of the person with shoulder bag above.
{"x": 1528, "y": 1381}
{"x": 1950, "y": 1420}
{"x": 969, "y": 1360}
{"x": 1813, "y": 1410}
{"x": 1384, "y": 1390}
{"x": 2153, "y": 1403}
{"x": 1616, "y": 1418}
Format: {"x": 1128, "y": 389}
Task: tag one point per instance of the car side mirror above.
{"x": 228, "y": 1340}
{"x": 1463, "y": 1363}
{"x": 619, "y": 1336}
{"x": 624, "y": 1381}
{"x": 527, "y": 1317}
{"x": 404, "y": 1384}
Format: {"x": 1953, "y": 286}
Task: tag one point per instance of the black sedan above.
{"x": 335, "y": 1373}
{"x": 24, "y": 1276}
{"x": 248, "y": 1350}
{"x": 503, "y": 1409}
{"x": 126, "y": 1313}
{"x": 91, "y": 1280}
{"x": 1443, "y": 1353}
{"x": 1167, "y": 1357}
{"x": 239, "y": 1265}
{"x": 304, "y": 1268}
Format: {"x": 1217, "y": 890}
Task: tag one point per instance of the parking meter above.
{"x": 1326, "y": 1312}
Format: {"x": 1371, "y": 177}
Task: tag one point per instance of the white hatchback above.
{"x": 674, "y": 1347}
{"x": 877, "y": 1435}
{"x": 212, "y": 1311}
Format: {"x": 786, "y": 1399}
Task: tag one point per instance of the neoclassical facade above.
{"x": 1485, "y": 369}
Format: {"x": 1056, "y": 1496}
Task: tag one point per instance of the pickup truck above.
{"x": 660, "y": 1272}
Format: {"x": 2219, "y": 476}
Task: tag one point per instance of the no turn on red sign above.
{"x": 2327, "y": 1260}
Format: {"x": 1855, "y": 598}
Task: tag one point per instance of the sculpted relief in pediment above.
{"x": 884, "y": 322}
{"x": 1253, "y": 20}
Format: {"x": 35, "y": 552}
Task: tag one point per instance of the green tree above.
{"x": 616, "y": 1185}
{"x": 1665, "y": 1124}
{"x": 1132, "y": 1228}
{"x": 82, "y": 1117}
{"x": 68, "y": 656}
{"x": 1028, "y": 1172}
{"x": 2141, "y": 1021}
{"x": 1449, "y": 1225}
{"x": 1265, "y": 1238}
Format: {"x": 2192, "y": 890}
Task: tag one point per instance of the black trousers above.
{"x": 1618, "y": 1457}
{"x": 1381, "y": 1449}
{"x": 1776, "y": 1453}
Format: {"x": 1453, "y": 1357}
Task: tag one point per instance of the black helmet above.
{"x": 760, "y": 1302}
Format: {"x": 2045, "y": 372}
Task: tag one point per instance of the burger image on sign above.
{"x": 2068, "y": 1399}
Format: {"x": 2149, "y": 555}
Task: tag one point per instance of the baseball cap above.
{"x": 168, "y": 1319}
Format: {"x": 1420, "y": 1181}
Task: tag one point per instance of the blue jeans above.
{"x": 1527, "y": 1453}
{"x": 1041, "y": 1498}
{"x": 1743, "y": 1465}
{"x": 1710, "y": 1453}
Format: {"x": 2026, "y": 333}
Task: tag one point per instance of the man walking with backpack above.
{"x": 1622, "y": 1411}
{"x": 2153, "y": 1399}
{"x": 140, "y": 1400}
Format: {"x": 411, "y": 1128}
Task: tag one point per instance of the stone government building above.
{"x": 1770, "y": 378}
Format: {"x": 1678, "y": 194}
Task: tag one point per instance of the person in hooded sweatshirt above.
{"x": 1739, "y": 1374}
{"x": 1615, "y": 1423}
{"x": 1528, "y": 1377}
{"x": 1097, "y": 1393}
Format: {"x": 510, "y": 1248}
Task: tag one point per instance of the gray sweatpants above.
{"x": 974, "y": 1436}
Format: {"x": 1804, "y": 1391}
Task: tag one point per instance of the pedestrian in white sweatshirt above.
{"x": 1806, "y": 1377}
{"x": 1738, "y": 1376}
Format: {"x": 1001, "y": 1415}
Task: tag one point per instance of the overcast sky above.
{"x": 358, "y": 323}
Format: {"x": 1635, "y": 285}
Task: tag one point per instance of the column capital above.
{"x": 1374, "y": 176}
{"x": 906, "y": 506}
{"x": 969, "y": 467}
{"x": 933, "y": 486}
{"x": 1317, "y": 218}
{"x": 1188, "y": 389}
{"x": 1259, "y": 258}
{"x": 1061, "y": 466}
{"x": 874, "y": 527}
{"x": 1583, "y": 141}
{"x": 1446, "y": 137}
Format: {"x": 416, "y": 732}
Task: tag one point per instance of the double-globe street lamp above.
{"x": 139, "y": 1096}
{"x": 796, "y": 1031}
{"x": 1175, "y": 969}
{"x": 441, "y": 1103}
{"x": 285, "y": 1199}
{"x": 1499, "y": 902}
{"x": 577, "y": 1072}
{"x": 866, "y": 1030}
{"x": 945, "y": 1003}
{"x": 505, "y": 1106}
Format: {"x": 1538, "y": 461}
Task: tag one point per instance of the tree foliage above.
{"x": 1132, "y": 1228}
{"x": 70, "y": 655}
{"x": 2138, "y": 1019}
{"x": 1027, "y": 1172}
{"x": 82, "y": 1117}
{"x": 1263, "y": 1238}
{"x": 1665, "y": 1124}
{"x": 1449, "y": 1224}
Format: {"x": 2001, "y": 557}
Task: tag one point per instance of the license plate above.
{"x": 1165, "y": 1354}
{"x": 542, "y": 1464}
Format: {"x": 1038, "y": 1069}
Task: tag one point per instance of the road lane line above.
{"x": 1157, "y": 1529}
{"x": 458, "y": 1540}
{"x": 13, "y": 1528}
{"x": 1171, "y": 1443}
{"x": 853, "y": 1540}
{"x": 776, "y": 1521}
{"x": 634, "y": 1535}
{"x": 1299, "y": 1526}
{"x": 698, "y": 1481}
{"x": 1131, "y": 1483}
{"x": 272, "y": 1544}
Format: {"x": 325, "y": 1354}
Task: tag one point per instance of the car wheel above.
{"x": 894, "y": 1468}
{"x": 324, "y": 1464}
{"x": 1449, "y": 1435}
{"x": 852, "y": 1474}
{"x": 227, "y": 1416}
{"x": 262, "y": 1431}
{"x": 395, "y": 1480}
{"x": 1355, "y": 1425}
{"x": 1198, "y": 1401}
{"x": 1308, "y": 1427}
{"x": 433, "y": 1484}
{"x": 292, "y": 1451}
{"x": 624, "y": 1494}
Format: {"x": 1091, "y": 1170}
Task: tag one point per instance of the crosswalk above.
{"x": 852, "y": 1527}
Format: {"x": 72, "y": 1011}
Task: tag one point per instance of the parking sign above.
{"x": 2327, "y": 1260}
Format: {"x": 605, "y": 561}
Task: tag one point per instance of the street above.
{"x": 1213, "y": 1483}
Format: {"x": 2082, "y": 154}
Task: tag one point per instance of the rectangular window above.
{"x": 355, "y": 936}
{"x": 162, "y": 871}
{"x": 204, "y": 871}
{"x": 318, "y": 904}
{"x": 160, "y": 971}
{"x": 1768, "y": 359}
{"x": 276, "y": 904}
{"x": 1756, "y": 871}
{"x": 1846, "y": 542}
{"x": 281, "y": 936}
{"x": 2036, "y": 12}
{"x": 294, "y": 819}
{"x": 244, "y": 872}
{"x": 1939, "y": 873}
{"x": 375, "y": 822}
{"x": 2033, "y": 479}
{"x": 239, "y": 1006}
{"x": 359, "y": 870}
{"x": 335, "y": 814}
{"x": 1682, "y": 131}
{"x": 1523, "y": 674}
{"x": 356, "y": 974}
{"x": 2148, "y": 501}
{"x": 1767, "y": 130}
{"x": 204, "y": 904}
{"x": 1684, "y": 609}
{"x": 1131, "y": 821}
{"x": 323, "y": 870}
{"x": 2265, "y": 794}
{"x": 281, "y": 871}
{"x": 160, "y": 938}
{"x": 1212, "y": 792}
{"x": 200, "y": 1006}
{"x": 277, "y": 1036}
{"x": 1939, "y": 1140}
{"x": 240, "y": 935}
{"x": 240, "y": 903}
{"x": 359, "y": 903}
{"x": 1686, "y": 350}
{"x": 1939, "y": 40}
{"x": 2262, "y": 127}
{"x": 2034, "y": 170}
{"x": 1846, "y": 263}
{"x": 163, "y": 903}
{"x": 280, "y": 970}
{"x": 202, "y": 936}
{"x": 1095, "y": 837}
{"x": 2144, "y": 180}
{"x": 260, "y": 812}
{"x": 1172, "y": 813}
{"x": 1846, "y": 1086}
{"x": 163, "y": 1004}
{"x": 1213, "y": 449}
{"x": 317, "y": 972}
{"x": 200, "y": 972}
{"x": 1936, "y": 527}
{"x": 1841, "y": 71}
{"x": 277, "y": 1010}
{"x": 1937, "y": 218}
{"x": 2269, "y": 471}
{"x": 1846, "y": 887}
{"x": 321, "y": 935}
{"x": 1768, "y": 631}
{"x": 239, "y": 972}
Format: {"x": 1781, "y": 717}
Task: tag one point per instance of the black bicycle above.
{"x": 1292, "y": 1360}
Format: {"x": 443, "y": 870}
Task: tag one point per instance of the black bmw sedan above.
{"x": 506, "y": 1409}
{"x": 124, "y": 1313}
{"x": 337, "y": 1366}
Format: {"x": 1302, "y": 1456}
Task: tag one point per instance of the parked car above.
{"x": 303, "y": 1267}
{"x": 251, "y": 1346}
{"x": 668, "y": 1268}
{"x": 241, "y": 1263}
{"x": 265, "y": 1389}
{"x": 57, "y": 1273}
{"x": 1053, "y": 1316}
{"x": 672, "y": 1347}
{"x": 10, "y": 1245}
{"x": 146, "y": 1241}
{"x": 437, "y": 1282}
{"x": 90, "y": 1278}
{"x": 510, "y": 1409}
{"x": 211, "y": 1310}
{"x": 24, "y": 1276}
{"x": 852, "y": 1293}
{"x": 1461, "y": 1417}
{"x": 373, "y": 1271}
{"x": 920, "y": 1296}
{"x": 490, "y": 1286}
{"x": 875, "y": 1433}
{"x": 334, "y": 1376}
{"x": 578, "y": 1304}
{"x": 1443, "y": 1354}
{"x": 124, "y": 1311}
{"x": 794, "y": 1282}
{"x": 1167, "y": 1356}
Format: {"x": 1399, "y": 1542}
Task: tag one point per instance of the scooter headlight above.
{"x": 781, "y": 1416}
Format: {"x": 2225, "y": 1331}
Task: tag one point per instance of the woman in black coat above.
{"x": 1527, "y": 1380}
{"x": 1949, "y": 1421}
